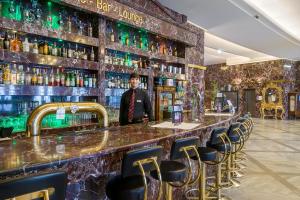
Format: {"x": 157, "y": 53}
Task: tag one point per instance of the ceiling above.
{"x": 241, "y": 31}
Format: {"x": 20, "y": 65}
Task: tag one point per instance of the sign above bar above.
{"x": 118, "y": 11}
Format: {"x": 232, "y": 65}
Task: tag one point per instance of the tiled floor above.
{"x": 273, "y": 153}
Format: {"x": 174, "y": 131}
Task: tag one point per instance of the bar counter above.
{"x": 90, "y": 154}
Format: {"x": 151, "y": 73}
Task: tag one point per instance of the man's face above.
{"x": 134, "y": 83}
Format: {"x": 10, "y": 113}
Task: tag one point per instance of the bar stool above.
{"x": 35, "y": 186}
{"x": 237, "y": 140}
{"x": 132, "y": 183}
{"x": 246, "y": 127}
{"x": 174, "y": 172}
{"x": 221, "y": 143}
{"x": 208, "y": 156}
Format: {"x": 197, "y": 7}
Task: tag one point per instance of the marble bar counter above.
{"x": 92, "y": 154}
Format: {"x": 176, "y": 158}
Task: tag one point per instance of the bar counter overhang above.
{"x": 92, "y": 153}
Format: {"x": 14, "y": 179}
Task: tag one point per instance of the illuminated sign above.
{"x": 120, "y": 11}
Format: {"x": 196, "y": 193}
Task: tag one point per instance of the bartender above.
{"x": 135, "y": 104}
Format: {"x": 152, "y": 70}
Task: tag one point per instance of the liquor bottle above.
{"x": 13, "y": 75}
{"x": 26, "y": 45}
{"x": 164, "y": 50}
{"x": 90, "y": 30}
{"x": 94, "y": 81}
{"x": 54, "y": 50}
{"x": 69, "y": 25}
{"x": 35, "y": 48}
{"x": 70, "y": 53}
{"x": 112, "y": 82}
{"x": 57, "y": 78}
{"x": 140, "y": 63}
{"x": 81, "y": 81}
{"x": 112, "y": 35}
{"x": 67, "y": 79}
{"x": 28, "y": 77}
{"x": 84, "y": 55}
{"x": 46, "y": 48}
{"x": 6, "y": 44}
{"x": 15, "y": 44}
{"x": 175, "y": 52}
{"x": 86, "y": 81}
{"x": 34, "y": 77}
{"x": 6, "y": 74}
{"x": 80, "y": 28}
{"x": 152, "y": 48}
{"x": 170, "y": 52}
{"x": 146, "y": 84}
{"x": 120, "y": 37}
{"x": 51, "y": 78}
{"x": 20, "y": 76}
{"x": 90, "y": 81}
{"x": 134, "y": 41}
{"x": 76, "y": 53}
{"x": 127, "y": 40}
{"x": 92, "y": 57}
{"x": 59, "y": 50}
{"x": 62, "y": 78}
{"x": 46, "y": 77}
{"x": 64, "y": 52}
{"x": 40, "y": 79}
{"x": 72, "y": 79}
{"x": 77, "y": 79}
{"x": 158, "y": 47}
{"x": 141, "y": 43}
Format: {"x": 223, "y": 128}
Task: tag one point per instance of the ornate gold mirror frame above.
{"x": 269, "y": 106}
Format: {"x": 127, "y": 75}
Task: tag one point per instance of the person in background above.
{"x": 135, "y": 104}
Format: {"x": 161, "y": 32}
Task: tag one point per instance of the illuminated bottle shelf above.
{"x": 29, "y": 90}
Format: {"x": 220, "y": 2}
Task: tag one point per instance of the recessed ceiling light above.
{"x": 220, "y": 51}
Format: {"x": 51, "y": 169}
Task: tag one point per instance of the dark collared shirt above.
{"x": 142, "y": 105}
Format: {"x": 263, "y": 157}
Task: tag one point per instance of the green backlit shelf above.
{"x": 42, "y": 31}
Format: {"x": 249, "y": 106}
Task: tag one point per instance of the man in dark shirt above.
{"x": 135, "y": 104}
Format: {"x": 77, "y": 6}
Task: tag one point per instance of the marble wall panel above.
{"x": 251, "y": 76}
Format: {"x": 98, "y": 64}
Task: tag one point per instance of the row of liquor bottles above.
{"x": 125, "y": 59}
{"x": 45, "y": 14}
{"x": 133, "y": 38}
{"x": 119, "y": 81}
{"x": 11, "y": 74}
{"x": 45, "y": 47}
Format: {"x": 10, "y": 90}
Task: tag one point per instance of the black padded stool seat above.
{"x": 126, "y": 188}
{"x": 207, "y": 154}
{"x": 14, "y": 187}
{"x": 221, "y": 147}
{"x": 234, "y": 138}
{"x": 171, "y": 171}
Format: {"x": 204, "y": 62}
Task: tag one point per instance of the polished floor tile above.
{"x": 273, "y": 164}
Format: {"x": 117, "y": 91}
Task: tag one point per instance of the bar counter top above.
{"x": 26, "y": 154}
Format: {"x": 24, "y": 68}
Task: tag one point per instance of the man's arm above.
{"x": 148, "y": 107}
